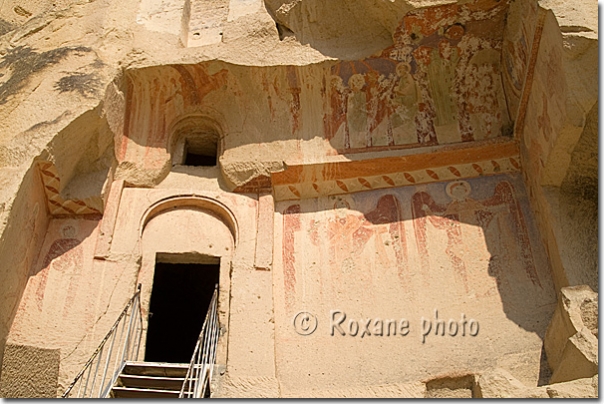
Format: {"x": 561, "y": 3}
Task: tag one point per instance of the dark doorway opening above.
{"x": 180, "y": 299}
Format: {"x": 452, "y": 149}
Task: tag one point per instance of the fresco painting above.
{"x": 499, "y": 213}
{"x": 439, "y": 83}
{"x": 546, "y": 108}
{"x": 56, "y": 280}
{"x": 184, "y": 88}
{"x": 476, "y": 234}
{"x": 517, "y": 51}
{"x": 291, "y": 224}
{"x": 64, "y": 258}
{"x": 353, "y": 238}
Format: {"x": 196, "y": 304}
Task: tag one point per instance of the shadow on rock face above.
{"x": 22, "y": 62}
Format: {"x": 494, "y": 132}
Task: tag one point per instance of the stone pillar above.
{"x": 264, "y": 237}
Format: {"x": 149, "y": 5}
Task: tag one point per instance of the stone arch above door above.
{"x": 192, "y": 203}
{"x": 187, "y": 230}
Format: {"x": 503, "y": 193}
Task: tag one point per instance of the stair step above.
{"x": 159, "y": 369}
{"x": 153, "y": 382}
{"x": 127, "y": 392}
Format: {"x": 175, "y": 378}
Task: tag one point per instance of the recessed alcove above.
{"x": 195, "y": 141}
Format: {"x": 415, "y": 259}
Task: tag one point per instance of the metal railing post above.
{"x": 202, "y": 362}
{"x": 133, "y": 307}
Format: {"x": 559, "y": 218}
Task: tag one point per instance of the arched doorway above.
{"x": 187, "y": 249}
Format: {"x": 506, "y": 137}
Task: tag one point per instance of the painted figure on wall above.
{"x": 349, "y": 234}
{"x": 291, "y": 225}
{"x": 404, "y": 106}
{"x": 518, "y": 40}
{"x": 386, "y": 225}
{"x": 336, "y": 127}
{"x": 439, "y": 83}
{"x": 295, "y": 90}
{"x": 427, "y": 212}
{"x": 504, "y": 213}
{"x": 62, "y": 264}
{"x": 498, "y": 221}
{"x": 342, "y": 242}
{"x": 424, "y": 120}
{"x": 355, "y": 245}
{"x": 485, "y": 100}
{"x": 357, "y": 113}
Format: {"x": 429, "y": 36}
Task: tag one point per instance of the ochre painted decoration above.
{"x": 294, "y": 191}
{"x": 291, "y": 224}
{"x": 502, "y": 207}
{"x": 475, "y": 236}
{"x": 57, "y": 205}
{"x": 356, "y": 176}
{"x": 258, "y": 184}
{"x": 454, "y": 171}
{"x": 439, "y": 83}
{"x": 365, "y": 183}
{"x": 520, "y": 44}
{"x": 342, "y": 186}
{"x": 388, "y": 180}
{"x": 530, "y": 73}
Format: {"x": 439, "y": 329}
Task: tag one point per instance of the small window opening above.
{"x": 201, "y": 151}
{"x": 194, "y": 159}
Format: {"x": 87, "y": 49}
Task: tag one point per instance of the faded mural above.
{"x": 58, "y": 280}
{"x": 546, "y": 108}
{"x": 477, "y": 234}
{"x": 443, "y": 250}
{"x": 441, "y": 82}
{"x": 518, "y": 50}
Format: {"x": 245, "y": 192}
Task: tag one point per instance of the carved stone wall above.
{"x": 383, "y": 160}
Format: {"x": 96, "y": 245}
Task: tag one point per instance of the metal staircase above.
{"x": 150, "y": 380}
{"x": 114, "y": 372}
{"x": 199, "y": 374}
{"x": 121, "y": 344}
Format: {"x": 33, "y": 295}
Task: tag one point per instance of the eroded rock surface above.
{"x": 392, "y": 159}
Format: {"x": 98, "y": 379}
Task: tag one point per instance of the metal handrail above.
{"x": 201, "y": 367}
{"x": 128, "y": 346}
